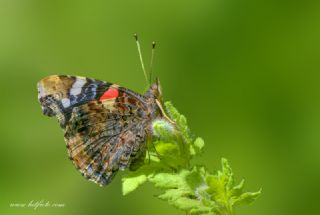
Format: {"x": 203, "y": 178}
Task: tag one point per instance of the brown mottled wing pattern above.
{"x": 102, "y": 136}
{"x": 101, "y": 141}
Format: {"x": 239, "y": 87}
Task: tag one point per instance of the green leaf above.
{"x": 172, "y": 111}
{"x": 199, "y": 143}
{"x": 132, "y": 183}
{"x": 202, "y": 210}
{"x": 136, "y": 178}
{"x": 237, "y": 190}
{"x": 169, "y": 180}
{"x": 246, "y": 198}
{"x": 224, "y": 195}
{"x": 215, "y": 185}
{"x": 174, "y": 194}
{"x": 227, "y": 172}
{"x": 197, "y": 146}
{"x": 181, "y": 121}
{"x": 185, "y": 203}
{"x": 195, "y": 178}
{"x": 170, "y": 154}
{"x": 167, "y": 149}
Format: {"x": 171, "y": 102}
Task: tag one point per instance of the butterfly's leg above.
{"x": 150, "y": 142}
{"x": 154, "y": 147}
{"x": 148, "y": 151}
{"x": 149, "y": 159}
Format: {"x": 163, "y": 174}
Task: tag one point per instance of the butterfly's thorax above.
{"x": 153, "y": 111}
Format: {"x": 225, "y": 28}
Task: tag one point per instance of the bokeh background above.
{"x": 245, "y": 73}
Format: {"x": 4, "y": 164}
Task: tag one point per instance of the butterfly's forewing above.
{"x": 58, "y": 94}
{"x": 103, "y": 123}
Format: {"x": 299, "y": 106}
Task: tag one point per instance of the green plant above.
{"x": 190, "y": 188}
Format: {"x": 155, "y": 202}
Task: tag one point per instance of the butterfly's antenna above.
{"x": 140, "y": 56}
{"x": 151, "y": 61}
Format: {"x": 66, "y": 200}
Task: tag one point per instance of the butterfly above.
{"x": 106, "y": 127}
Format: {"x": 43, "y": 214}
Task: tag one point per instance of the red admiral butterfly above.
{"x": 106, "y": 127}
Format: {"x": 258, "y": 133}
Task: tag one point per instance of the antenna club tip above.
{"x": 135, "y": 36}
{"x": 153, "y": 44}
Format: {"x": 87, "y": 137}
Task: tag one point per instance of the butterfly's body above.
{"x": 106, "y": 126}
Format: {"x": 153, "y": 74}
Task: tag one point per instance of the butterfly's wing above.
{"x": 103, "y": 123}
{"x": 58, "y": 94}
{"x": 101, "y": 141}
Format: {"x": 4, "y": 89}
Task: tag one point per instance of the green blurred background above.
{"x": 245, "y": 73}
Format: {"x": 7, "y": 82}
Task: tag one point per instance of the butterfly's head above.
{"x": 154, "y": 91}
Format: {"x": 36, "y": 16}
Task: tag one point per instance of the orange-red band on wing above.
{"x": 111, "y": 93}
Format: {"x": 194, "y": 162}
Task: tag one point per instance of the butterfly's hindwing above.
{"x": 100, "y": 141}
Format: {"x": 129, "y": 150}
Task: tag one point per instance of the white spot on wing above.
{"x": 40, "y": 91}
{"x": 65, "y": 102}
{"x": 77, "y": 86}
